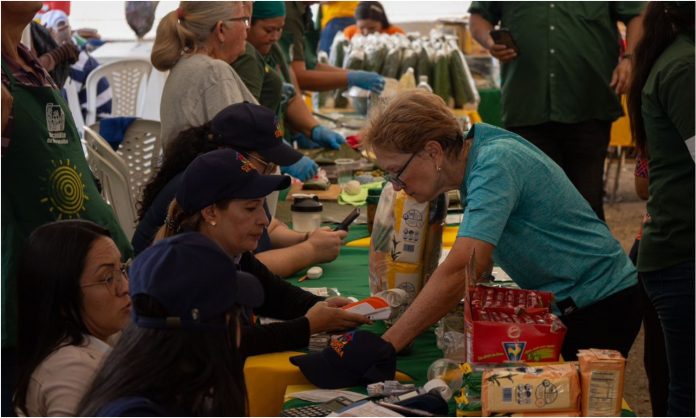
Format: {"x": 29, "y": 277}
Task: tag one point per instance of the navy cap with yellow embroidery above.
{"x": 247, "y": 127}
{"x": 224, "y": 174}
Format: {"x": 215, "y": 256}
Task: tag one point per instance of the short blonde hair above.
{"x": 187, "y": 28}
{"x": 408, "y": 121}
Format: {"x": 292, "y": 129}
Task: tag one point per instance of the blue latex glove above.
{"x": 287, "y": 92}
{"x": 305, "y": 143}
{"x": 303, "y": 170}
{"x": 366, "y": 80}
{"x": 326, "y": 137}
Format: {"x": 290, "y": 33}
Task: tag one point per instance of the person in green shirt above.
{"x": 299, "y": 45}
{"x": 268, "y": 77}
{"x": 560, "y": 89}
{"x": 661, "y": 109}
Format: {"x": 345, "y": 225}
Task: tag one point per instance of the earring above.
{"x": 438, "y": 168}
{"x": 213, "y": 223}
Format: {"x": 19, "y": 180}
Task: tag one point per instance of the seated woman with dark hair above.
{"x": 370, "y": 18}
{"x": 72, "y": 296}
{"x": 180, "y": 357}
{"x": 253, "y": 131}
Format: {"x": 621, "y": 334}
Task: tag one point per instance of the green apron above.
{"x": 45, "y": 178}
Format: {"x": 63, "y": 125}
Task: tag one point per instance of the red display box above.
{"x": 505, "y": 330}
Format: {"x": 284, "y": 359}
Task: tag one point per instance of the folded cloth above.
{"x": 114, "y": 129}
{"x": 359, "y": 199}
{"x": 351, "y": 359}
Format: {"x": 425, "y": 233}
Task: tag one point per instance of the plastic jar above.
{"x": 306, "y": 213}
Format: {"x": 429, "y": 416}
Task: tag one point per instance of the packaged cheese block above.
{"x": 546, "y": 389}
{"x": 602, "y": 376}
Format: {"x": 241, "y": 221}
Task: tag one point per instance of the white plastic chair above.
{"x": 141, "y": 151}
{"x": 112, "y": 173}
{"x": 74, "y": 104}
{"x": 128, "y": 82}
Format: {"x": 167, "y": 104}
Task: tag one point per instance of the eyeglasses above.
{"x": 245, "y": 19}
{"x": 395, "y": 178}
{"x": 115, "y": 283}
{"x": 268, "y": 168}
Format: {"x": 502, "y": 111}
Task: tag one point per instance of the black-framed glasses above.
{"x": 395, "y": 179}
{"x": 268, "y": 168}
{"x": 245, "y": 19}
{"x": 115, "y": 281}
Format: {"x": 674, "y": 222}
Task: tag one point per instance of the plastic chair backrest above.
{"x": 128, "y": 82}
{"x": 141, "y": 151}
{"x": 112, "y": 173}
{"x": 74, "y": 105}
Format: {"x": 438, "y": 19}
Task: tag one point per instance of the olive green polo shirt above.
{"x": 668, "y": 118}
{"x": 567, "y": 53}
{"x": 299, "y": 40}
{"x": 262, "y": 79}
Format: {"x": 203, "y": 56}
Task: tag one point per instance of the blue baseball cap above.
{"x": 248, "y": 127}
{"x": 224, "y": 174}
{"x": 351, "y": 359}
{"x": 193, "y": 279}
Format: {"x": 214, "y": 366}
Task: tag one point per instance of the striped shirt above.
{"x": 79, "y": 73}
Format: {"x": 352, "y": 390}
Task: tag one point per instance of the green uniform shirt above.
{"x": 668, "y": 117}
{"x": 300, "y": 38}
{"x": 262, "y": 80}
{"x": 567, "y": 53}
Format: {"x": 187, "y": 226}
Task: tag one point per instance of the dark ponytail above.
{"x": 662, "y": 22}
{"x": 177, "y": 156}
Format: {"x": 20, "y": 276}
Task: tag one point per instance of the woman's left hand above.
{"x": 621, "y": 77}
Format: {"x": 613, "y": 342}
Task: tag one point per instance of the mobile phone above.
{"x": 320, "y": 410}
{"x": 352, "y": 216}
{"x": 503, "y": 36}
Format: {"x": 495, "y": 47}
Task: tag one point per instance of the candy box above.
{"x": 511, "y": 325}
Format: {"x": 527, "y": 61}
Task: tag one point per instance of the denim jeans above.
{"x": 671, "y": 291}
{"x": 334, "y": 26}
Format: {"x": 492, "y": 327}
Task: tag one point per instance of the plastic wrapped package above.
{"x": 392, "y": 62}
{"x": 337, "y": 53}
{"x": 463, "y": 85}
{"x": 553, "y": 388}
{"x": 602, "y": 376}
{"x": 441, "y": 75}
{"x": 409, "y": 59}
{"x": 398, "y": 251}
{"x": 375, "y": 54}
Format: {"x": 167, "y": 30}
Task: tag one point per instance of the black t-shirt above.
{"x": 154, "y": 216}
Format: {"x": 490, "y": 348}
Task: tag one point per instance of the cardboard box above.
{"x": 510, "y": 333}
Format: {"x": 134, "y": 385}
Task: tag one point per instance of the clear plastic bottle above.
{"x": 423, "y": 83}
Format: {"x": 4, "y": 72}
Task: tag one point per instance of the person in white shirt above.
{"x": 72, "y": 298}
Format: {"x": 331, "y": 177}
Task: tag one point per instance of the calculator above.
{"x": 319, "y": 410}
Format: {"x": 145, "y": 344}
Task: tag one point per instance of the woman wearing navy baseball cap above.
{"x": 252, "y": 130}
{"x": 221, "y": 196}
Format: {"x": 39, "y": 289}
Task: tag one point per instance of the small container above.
{"x": 344, "y": 170}
{"x": 306, "y": 213}
{"x": 372, "y": 201}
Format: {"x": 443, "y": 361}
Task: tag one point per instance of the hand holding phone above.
{"x": 352, "y": 216}
{"x": 504, "y": 48}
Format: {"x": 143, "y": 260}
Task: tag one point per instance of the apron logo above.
{"x": 65, "y": 191}
{"x": 55, "y": 122}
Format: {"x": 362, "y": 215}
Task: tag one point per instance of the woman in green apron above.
{"x": 45, "y": 176}
{"x": 265, "y": 72}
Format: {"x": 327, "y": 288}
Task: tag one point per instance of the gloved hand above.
{"x": 327, "y": 138}
{"x": 303, "y": 170}
{"x": 366, "y": 80}
{"x": 305, "y": 143}
{"x": 287, "y": 92}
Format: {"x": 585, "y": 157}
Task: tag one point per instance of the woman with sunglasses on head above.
{"x": 520, "y": 211}
{"x": 221, "y": 196}
{"x": 251, "y": 130}
{"x": 72, "y": 296}
{"x": 273, "y": 82}
{"x": 197, "y": 43}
